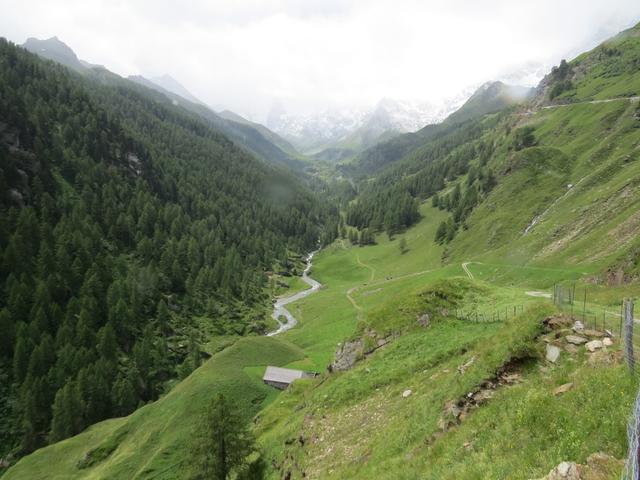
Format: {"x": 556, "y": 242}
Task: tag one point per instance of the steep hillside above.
{"x": 170, "y": 84}
{"x": 575, "y": 173}
{"x": 130, "y": 231}
{"x": 608, "y": 71}
{"x": 490, "y": 98}
{"x": 253, "y": 138}
{"x": 154, "y": 442}
{"x": 274, "y": 138}
{"x": 575, "y": 189}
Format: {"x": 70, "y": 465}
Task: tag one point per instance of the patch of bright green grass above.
{"x": 525, "y": 430}
{"x": 290, "y": 285}
{"x": 362, "y": 425}
{"x": 154, "y": 441}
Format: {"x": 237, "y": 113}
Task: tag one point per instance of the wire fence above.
{"x": 608, "y": 319}
{"x": 618, "y": 321}
{"x": 495, "y": 314}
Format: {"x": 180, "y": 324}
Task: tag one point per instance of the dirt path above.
{"x": 371, "y": 269}
{"x": 593, "y": 102}
{"x": 586, "y": 102}
{"x": 352, "y": 290}
{"x": 467, "y": 271}
{"x": 351, "y": 299}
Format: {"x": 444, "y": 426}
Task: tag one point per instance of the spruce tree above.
{"x": 222, "y": 442}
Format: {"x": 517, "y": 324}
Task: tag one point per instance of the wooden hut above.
{"x": 282, "y": 377}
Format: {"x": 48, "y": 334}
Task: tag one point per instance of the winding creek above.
{"x": 279, "y": 309}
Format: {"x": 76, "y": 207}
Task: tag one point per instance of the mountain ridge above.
{"x": 488, "y": 98}
{"x": 255, "y": 139}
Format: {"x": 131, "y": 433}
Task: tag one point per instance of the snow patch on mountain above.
{"x": 324, "y": 128}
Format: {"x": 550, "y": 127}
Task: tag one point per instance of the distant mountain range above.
{"x": 488, "y": 98}
{"x": 336, "y": 134}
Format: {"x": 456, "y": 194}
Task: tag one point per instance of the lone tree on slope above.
{"x": 222, "y": 443}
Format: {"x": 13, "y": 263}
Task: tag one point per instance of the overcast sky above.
{"x": 310, "y": 54}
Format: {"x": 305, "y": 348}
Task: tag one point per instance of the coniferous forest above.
{"x": 127, "y": 228}
{"x": 390, "y": 202}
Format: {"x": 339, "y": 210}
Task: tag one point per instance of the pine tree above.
{"x": 162, "y": 317}
{"x": 107, "y": 344}
{"x": 441, "y": 232}
{"x": 21, "y": 355}
{"x": 402, "y": 245}
{"x": 8, "y": 335}
{"x": 67, "y": 408}
{"x": 124, "y": 397}
{"x": 222, "y": 442}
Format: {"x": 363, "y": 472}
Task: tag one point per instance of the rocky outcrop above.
{"x": 552, "y": 354}
{"x": 564, "y": 332}
{"x": 347, "y": 355}
{"x": 599, "y": 466}
{"x": 576, "y": 339}
{"x": 424, "y": 320}
{"x": 349, "y": 352}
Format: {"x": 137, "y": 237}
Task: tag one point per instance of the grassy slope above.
{"x": 357, "y": 424}
{"x": 328, "y": 317}
{"x": 583, "y": 227}
{"x": 153, "y": 441}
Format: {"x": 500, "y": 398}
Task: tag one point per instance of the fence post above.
{"x": 628, "y": 333}
{"x": 632, "y": 468}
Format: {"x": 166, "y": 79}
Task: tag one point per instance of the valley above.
{"x": 379, "y": 280}
{"x": 461, "y": 303}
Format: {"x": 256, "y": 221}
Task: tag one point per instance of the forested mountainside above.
{"x": 390, "y": 201}
{"x": 128, "y": 228}
{"x": 255, "y": 139}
